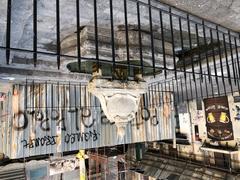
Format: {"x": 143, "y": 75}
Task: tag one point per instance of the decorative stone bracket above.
{"x": 119, "y": 100}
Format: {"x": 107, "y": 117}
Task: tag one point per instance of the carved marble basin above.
{"x": 119, "y": 100}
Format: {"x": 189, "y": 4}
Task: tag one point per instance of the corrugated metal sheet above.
{"x": 47, "y": 117}
{"x": 12, "y": 174}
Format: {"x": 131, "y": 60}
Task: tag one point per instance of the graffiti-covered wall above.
{"x": 48, "y": 117}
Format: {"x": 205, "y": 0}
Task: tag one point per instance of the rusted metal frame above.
{"x": 182, "y": 46}
{"x": 163, "y": 45}
{"x": 126, "y": 34}
{"x": 214, "y": 62}
{"x": 112, "y": 35}
{"x": 173, "y": 43}
{"x": 78, "y": 34}
{"x": 152, "y": 38}
{"x": 190, "y": 46}
{"x": 140, "y": 36}
{"x": 199, "y": 53}
{"x": 226, "y": 58}
{"x": 206, "y": 53}
{"x": 58, "y": 33}
{"x": 231, "y": 51}
{"x": 220, "y": 57}
{"x": 96, "y": 34}
{"x": 8, "y": 31}
{"x": 35, "y": 32}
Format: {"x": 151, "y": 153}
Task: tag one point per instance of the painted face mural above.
{"x": 218, "y": 121}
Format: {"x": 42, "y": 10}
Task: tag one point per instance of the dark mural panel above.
{"x": 218, "y": 121}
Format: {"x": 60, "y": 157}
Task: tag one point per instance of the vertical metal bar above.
{"x": 162, "y": 92}
{"x": 220, "y": 57}
{"x": 126, "y": 34}
{"x": 190, "y": 82}
{"x": 58, "y": 33}
{"x": 214, "y": 62}
{"x": 174, "y": 94}
{"x": 199, "y": 53}
{"x": 159, "y": 95}
{"x": 96, "y": 33}
{"x": 140, "y": 36}
{"x": 201, "y": 91}
{"x": 151, "y": 33}
{"x": 182, "y": 89}
{"x": 112, "y": 33}
{"x": 233, "y": 65}
{"x": 178, "y": 98}
{"x": 35, "y": 32}
{"x": 8, "y": 31}
{"x": 173, "y": 43}
{"x": 163, "y": 44}
{"x": 238, "y": 63}
{"x": 196, "y": 90}
{"x": 226, "y": 58}
{"x": 190, "y": 45}
{"x": 186, "y": 90}
{"x": 182, "y": 46}
{"x": 78, "y": 35}
{"x": 206, "y": 53}
{"x": 205, "y": 81}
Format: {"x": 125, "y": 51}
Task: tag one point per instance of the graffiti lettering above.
{"x": 85, "y": 116}
{"x": 81, "y": 136}
{"x": 43, "y": 141}
{"x": 20, "y": 116}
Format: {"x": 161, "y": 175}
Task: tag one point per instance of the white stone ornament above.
{"x": 119, "y": 100}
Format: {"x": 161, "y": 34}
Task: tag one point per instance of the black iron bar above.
{"x": 163, "y": 44}
{"x": 211, "y": 82}
{"x": 182, "y": 88}
{"x": 112, "y": 35}
{"x": 220, "y": 58}
{"x": 35, "y": 32}
{"x": 199, "y": 53}
{"x": 205, "y": 81}
{"x": 8, "y": 31}
{"x": 206, "y": 52}
{"x": 182, "y": 47}
{"x": 162, "y": 93}
{"x": 174, "y": 93}
{"x": 178, "y": 94}
{"x": 231, "y": 51}
{"x": 93, "y": 59}
{"x": 58, "y": 33}
{"x": 191, "y": 89}
{"x": 226, "y": 58}
{"x": 200, "y": 86}
{"x": 140, "y": 36}
{"x": 196, "y": 90}
{"x": 177, "y": 15}
{"x": 78, "y": 34}
{"x": 173, "y": 43}
{"x": 214, "y": 62}
{"x": 190, "y": 46}
{"x": 152, "y": 38}
{"x": 186, "y": 89}
{"x": 238, "y": 63}
{"x": 126, "y": 34}
{"x": 96, "y": 33}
